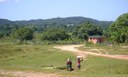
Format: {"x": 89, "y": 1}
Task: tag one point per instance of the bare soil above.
{"x": 73, "y": 48}
{"x": 5, "y": 73}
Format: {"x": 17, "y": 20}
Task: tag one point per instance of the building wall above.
{"x": 96, "y": 40}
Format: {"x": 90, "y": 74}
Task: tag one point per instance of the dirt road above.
{"x": 73, "y": 48}
{"x": 5, "y": 73}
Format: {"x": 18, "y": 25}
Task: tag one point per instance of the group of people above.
{"x": 69, "y": 63}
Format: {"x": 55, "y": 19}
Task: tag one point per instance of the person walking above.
{"x": 79, "y": 59}
{"x": 69, "y": 64}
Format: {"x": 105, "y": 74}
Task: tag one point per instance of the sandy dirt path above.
{"x": 5, "y": 73}
{"x": 73, "y": 48}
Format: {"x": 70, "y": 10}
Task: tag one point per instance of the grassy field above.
{"x": 101, "y": 67}
{"x": 30, "y": 57}
{"x": 47, "y": 59}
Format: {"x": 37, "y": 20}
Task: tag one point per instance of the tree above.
{"x": 1, "y": 34}
{"x": 85, "y": 30}
{"x": 54, "y": 35}
{"x": 23, "y": 33}
{"x": 118, "y": 30}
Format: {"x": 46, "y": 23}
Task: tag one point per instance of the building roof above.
{"x": 95, "y": 36}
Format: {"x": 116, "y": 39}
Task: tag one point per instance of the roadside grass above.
{"x": 46, "y": 59}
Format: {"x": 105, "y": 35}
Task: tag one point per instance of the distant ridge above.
{"x": 58, "y": 20}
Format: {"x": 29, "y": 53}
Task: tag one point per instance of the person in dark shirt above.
{"x": 69, "y": 64}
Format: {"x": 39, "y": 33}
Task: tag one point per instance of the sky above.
{"x": 104, "y": 10}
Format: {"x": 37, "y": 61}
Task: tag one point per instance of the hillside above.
{"x": 5, "y": 21}
{"x": 56, "y": 21}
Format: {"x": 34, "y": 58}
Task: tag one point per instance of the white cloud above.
{"x": 2, "y": 1}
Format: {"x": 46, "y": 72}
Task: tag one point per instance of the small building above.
{"x": 96, "y": 39}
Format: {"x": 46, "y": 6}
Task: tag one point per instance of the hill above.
{"x": 41, "y": 25}
{"x": 69, "y": 21}
{"x": 5, "y": 21}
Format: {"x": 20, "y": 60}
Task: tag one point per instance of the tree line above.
{"x": 117, "y": 32}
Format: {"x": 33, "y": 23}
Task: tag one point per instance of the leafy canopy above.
{"x": 23, "y": 33}
{"x": 118, "y": 30}
{"x": 86, "y": 29}
{"x": 55, "y": 35}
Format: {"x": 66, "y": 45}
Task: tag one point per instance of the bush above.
{"x": 55, "y": 35}
{"x": 23, "y": 34}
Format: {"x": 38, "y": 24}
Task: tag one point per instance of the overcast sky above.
{"x": 107, "y": 10}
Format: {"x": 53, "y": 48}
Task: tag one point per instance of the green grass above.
{"x": 100, "y": 67}
{"x": 30, "y": 57}
{"x": 47, "y": 59}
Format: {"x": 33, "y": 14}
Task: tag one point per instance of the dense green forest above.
{"x": 69, "y": 29}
